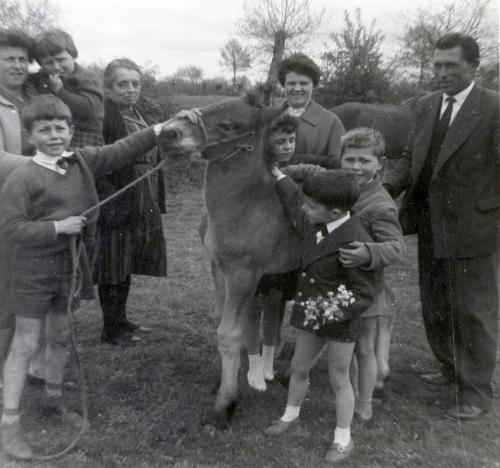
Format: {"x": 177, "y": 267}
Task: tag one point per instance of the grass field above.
{"x": 147, "y": 402}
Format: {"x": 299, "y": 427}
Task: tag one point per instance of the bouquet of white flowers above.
{"x": 324, "y": 310}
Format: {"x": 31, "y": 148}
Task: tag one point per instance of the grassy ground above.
{"x": 147, "y": 403}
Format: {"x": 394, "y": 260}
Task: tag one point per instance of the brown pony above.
{"x": 246, "y": 232}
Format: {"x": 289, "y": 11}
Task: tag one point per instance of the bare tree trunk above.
{"x": 278, "y": 52}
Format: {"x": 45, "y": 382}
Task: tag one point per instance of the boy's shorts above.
{"x": 41, "y": 285}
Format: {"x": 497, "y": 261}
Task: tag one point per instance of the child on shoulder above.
{"x": 279, "y": 146}
{"x": 330, "y": 298}
{"x": 40, "y": 209}
{"x": 79, "y": 88}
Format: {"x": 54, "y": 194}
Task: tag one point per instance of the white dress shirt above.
{"x": 459, "y": 100}
{"x": 50, "y": 162}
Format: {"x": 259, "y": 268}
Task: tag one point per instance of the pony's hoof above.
{"x": 219, "y": 419}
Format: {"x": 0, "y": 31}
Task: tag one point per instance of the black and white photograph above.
{"x": 249, "y": 233}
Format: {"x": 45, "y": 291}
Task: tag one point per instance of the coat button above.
{"x": 304, "y": 274}
{"x": 311, "y": 281}
{"x": 299, "y": 294}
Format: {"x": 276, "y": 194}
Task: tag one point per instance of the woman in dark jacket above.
{"x": 131, "y": 239}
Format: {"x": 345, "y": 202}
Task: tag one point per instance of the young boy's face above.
{"x": 282, "y": 146}
{"x": 62, "y": 64}
{"x": 318, "y": 213}
{"x": 362, "y": 163}
{"x": 51, "y": 137}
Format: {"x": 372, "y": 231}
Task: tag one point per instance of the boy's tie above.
{"x": 63, "y": 162}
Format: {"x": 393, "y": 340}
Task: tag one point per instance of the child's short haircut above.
{"x": 283, "y": 123}
{"x": 16, "y": 38}
{"x": 53, "y": 42}
{"x": 333, "y": 188}
{"x": 363, "y": 137}
{"x": 45, "y": 107}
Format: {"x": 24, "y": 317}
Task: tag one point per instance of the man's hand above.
{"x": 55, "y": 83}
{"x": 71, "y": 225}
{"x": 193, "y": 115}
{"x": 357, "y": 254}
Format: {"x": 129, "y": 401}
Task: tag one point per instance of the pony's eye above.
{"x": 226, "y": 126}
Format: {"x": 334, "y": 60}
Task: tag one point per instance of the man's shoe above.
{"x": 464, "y": 413}
{"x": 13, "y": 442}
{"x": 435, "y": 378}
{"x": 338, "y": 453}
{"x": 120, "y": 339}
{"x": 134, "y": 327}
{"x": 280, "y": 427}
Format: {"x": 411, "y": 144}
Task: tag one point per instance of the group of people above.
{"x": 341, "y": 206}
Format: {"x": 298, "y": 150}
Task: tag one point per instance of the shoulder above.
{"x": 316, "y": 113}
{"x": 84, "y": 76}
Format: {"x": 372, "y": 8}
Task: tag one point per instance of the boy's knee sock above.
{"x": 53, "y": 390}
{"x": 364, "y": 408}
{"x": 342, "y": 436}
{"x": 268, "y": 362}
{"x": 291, "y": 413}
{"x": 10, "y": 415}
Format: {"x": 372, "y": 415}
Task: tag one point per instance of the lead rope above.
{"x": 76, "y": 244}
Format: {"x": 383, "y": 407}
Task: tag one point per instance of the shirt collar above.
{"x": 41, "y": 157}
{"x": 461, "y": 96}
{"x": 331, "y": 226}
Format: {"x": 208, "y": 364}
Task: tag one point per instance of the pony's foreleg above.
{"x": 220, "y": 288}
{"x": 240, "y": 287}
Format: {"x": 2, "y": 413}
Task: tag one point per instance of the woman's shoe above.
{"x": 120, "y": 339}
{"x": 134, "y": 327}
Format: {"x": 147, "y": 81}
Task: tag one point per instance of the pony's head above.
{"x": 222, "y": 125}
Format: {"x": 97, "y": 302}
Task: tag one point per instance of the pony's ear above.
{"x": 269, "y": 113}
{"x": 254, "y": 97}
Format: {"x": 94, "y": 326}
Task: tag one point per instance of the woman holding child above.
{"x": 131, "y": 239}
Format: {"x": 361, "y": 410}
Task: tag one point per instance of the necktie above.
{"x": 444, "y": 121}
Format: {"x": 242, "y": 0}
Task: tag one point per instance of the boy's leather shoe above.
{"x": 464, "y": 413}
{"x": 338, "y": 453}
{"x": 435, "y": 378}
{"x": 13, "y": 442}
{"x": 280, "y": 427}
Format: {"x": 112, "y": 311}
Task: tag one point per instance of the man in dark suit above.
{"x": 452, "y": 201}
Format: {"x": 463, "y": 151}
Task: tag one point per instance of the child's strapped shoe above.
{"x": 13, "y": 442}
{"x": 338, "y": 452}
{"x": 280, "y": 427}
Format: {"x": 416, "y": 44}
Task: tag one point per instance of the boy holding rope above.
{"x": 40, "y": 210}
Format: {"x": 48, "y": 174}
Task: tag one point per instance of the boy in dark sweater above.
{"x": 40, "y": 207}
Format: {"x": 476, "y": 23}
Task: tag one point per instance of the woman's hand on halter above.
{"x": 277, "y": 173}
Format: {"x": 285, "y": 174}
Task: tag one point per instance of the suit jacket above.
{"x": 464, "y": 190}
{"x": 322, "y": 271}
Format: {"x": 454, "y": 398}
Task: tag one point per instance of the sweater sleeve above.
{"x": 389, "y": 246}
{"x": 83, "y": 94}
{"x": 105, "y": 159}
{"x": 14, "y": 218}
{"x": 300, "y": 172}
{"x": 292, "y": 198}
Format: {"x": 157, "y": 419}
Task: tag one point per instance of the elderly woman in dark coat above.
{"x": 131, "y": 239}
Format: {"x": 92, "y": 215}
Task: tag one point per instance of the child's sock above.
{"x": 364, "y": 408}
{"x": 10, "y": 416}
{"x": 255, "y": 374}
{"x": 291, "y": 413}
{"x": 342, "y": 436}
{"x": 268, "y": 362}
{"x": 53, "y": 390}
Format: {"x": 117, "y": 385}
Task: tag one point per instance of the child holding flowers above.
{"x": 330, "y": 298}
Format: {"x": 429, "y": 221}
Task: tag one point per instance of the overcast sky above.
{"x": 174, "y": 33}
